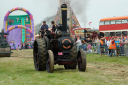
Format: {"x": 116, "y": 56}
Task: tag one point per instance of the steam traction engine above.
{"x": 58, "y": 48}
{"x": 5, "y": 48}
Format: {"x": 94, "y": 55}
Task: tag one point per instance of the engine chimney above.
{"x": 64, "y": 17}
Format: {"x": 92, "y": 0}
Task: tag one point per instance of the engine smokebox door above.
{"x": 65, "y": 43}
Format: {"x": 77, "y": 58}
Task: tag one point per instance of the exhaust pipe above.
{"x": 64, "y": 17}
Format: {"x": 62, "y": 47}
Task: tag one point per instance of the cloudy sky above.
{"x": 85, "y": 10}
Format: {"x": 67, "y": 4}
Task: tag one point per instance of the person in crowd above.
{"x": 18, "y": 48}
{"x": 102, "y": 41}
{"x": 83, "y": 46}
{"x": 26, "y": 45}
{"x": 89, "y": 48}
{"x": 123, "y": 38}
{"x": 112, "y": 47}
{"x": 108, "y": 45}
{"x": 94, "y": 44}
{"x": 21, "y": 45}
{"x": 14, "y": 45}
{"x": 89, "y": 40}
{"x": 98, "y": 45}
{"x": 105, "y": 45}
{"x": 93, "y": 41}
{"x": 117, "y": 42}
{"x": 31, "y": 44}
{"x": 78, "y": 43}
{"x": 121, "y": 46}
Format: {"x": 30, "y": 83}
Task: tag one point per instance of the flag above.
{"x": 89, "y": 23}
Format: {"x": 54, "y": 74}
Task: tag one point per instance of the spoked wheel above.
{"x": 50, "y": 62}
{"x": 39, "y": 55}
{"x": 81, "y": 60}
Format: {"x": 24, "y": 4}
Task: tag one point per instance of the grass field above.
{"x": 19, "y": 70}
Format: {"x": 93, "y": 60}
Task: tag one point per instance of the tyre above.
{"x": 39, "y": 54}
{"x": 50, "y": 62}
{"x": 73, "y": 56}
{"x": 81, "y": 60}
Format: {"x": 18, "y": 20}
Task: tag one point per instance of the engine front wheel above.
{"x": 81, "y": 60}
{"x": 50, "y": 62}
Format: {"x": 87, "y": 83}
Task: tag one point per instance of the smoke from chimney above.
{"x": 79, "y": 7}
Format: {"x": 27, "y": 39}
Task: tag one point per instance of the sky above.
{"x": 91, "y": 10}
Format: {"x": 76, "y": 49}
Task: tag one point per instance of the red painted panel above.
{"x": 113, "y": 27}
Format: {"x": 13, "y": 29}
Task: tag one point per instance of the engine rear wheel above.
{"x": 39, "y": 54}
{"x": 82, "y": 60}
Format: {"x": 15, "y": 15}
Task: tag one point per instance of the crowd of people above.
{"x": 24, "y": 45}
{"x": 111, "y": 46}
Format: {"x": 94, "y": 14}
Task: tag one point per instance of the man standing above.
{"x": 108, "y": 45}
{"x": 112, "y": 47}
{"x": 78, "y": 44}
{"x": 105, "y": 44}
{"x": 117, "y": 42}
{"x": 21, "y": 45}
{"x": 102, "y": 42}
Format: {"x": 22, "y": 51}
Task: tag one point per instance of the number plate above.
{"x": 60, "y": 53}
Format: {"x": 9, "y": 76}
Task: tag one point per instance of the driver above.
{"x": 44, "y": 27}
